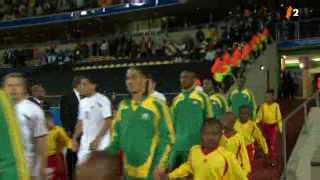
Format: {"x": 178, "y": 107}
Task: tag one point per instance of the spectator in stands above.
{"x": 94, "y": 49}
{"x": 240, "y": 96}
{"x": 189, "y": 110}
{"x": 69, "y": 109}
{"x": 38, "y": 94}
{"x": 104, "y": 48}
{"x": 218, "y": 101}
{"x": 84, "y": 50}
{"x": 131, "y": 125}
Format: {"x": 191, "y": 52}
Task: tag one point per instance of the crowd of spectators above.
{"x": 14, "y": 9}
{"x": 205, "y": 43}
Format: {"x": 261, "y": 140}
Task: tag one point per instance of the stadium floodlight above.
{"x": 316, "y": 59}
{"x": 301, "y": 65}
{"x": 83, "y": 13}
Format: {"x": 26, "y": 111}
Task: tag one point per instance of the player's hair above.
{"x": 144, "y": 72}
{"x": 270, "y": 91}
{"x": 77, "y": 80}
{"x": 229, "y": 113}
{"x": 210, "y": 122}
{"x": 189, "y": 72}
{"x": 244, "y": 107}
{"x": 14, "y": 75}
{"x": 48, "y": 115}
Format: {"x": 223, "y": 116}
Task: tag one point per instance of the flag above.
{"x": 13, "y": 165}
{"x": 227, "y": 58}
{"x": 236, "y": 56}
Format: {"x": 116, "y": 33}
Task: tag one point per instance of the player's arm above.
{"x": 245, "y": 158}
{"x": 208, "y": 107}
{"x": 182, "y": 171}
{"x": 167, "y": 135}
{"x": 234, "y": 170}
{"x": 253, "y": 105}
{"x": 79, "y": 126}
{"x": 260, "y": 139}
{"x": 259, "y": 116}
{"x": 115, "y": 131}
{"x": 77, "y": 132}
{"x": 67, "y": 141}
{"x": 42, "y": 150}
{"x": 106, "y": 111}
{"x": 279, "y": 118}
{"x": 40, "y": 137}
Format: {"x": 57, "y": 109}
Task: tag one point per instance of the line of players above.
{"x": 185, "y": 139}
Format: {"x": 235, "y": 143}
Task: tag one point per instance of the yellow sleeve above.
{"x": 183, "y": 171}
{"x": 234, "y": 169}
{"x": 257, "y": 134}
{"x": 167, "y": 135}
{"x": 65, "y": 139}
{"x": 208, "y": 106}
{"x": 246, "y": 166}
{"x": 260, "y": 114}
{"x": 279, "y": 118}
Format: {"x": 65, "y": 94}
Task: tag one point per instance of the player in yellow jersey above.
{"x": 234, "y": 142}
{"x": 251, "y": 133}
{"x": 57, "y": 141}
{"x": 270, "y": 117}
{"x": 210, "y": 160}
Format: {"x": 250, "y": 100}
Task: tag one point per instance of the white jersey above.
{"x": 159, "y": 95}
{"x": 32, "y": 122}
{"x": 93, "y": 111}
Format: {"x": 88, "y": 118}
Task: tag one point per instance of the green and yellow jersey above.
{"x": 238, "y": 98}
{"x": 189, "y": 110}
{"x": 13, "y": 165}
{"x": 144, "y": 132}
{"x": 219, "y": 105}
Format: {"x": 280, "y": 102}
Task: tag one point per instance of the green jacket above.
{"x": 219, "y": 105}
{"x": 13, "y": 165}
{"x": 145, "y": 134}
{"x": 189, "y": 110}
{"x": 237, "y": 98}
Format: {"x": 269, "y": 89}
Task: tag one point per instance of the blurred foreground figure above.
{"x": 99, "y": 166}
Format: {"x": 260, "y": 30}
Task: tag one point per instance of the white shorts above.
{"x": 85, "y": 151}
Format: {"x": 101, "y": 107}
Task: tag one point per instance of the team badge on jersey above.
{"x": 145, "y": 116}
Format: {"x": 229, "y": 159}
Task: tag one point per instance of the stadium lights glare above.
{"x": 292, "y": 61}
{"x": 301, "y": 65}
{"x": 83, "y": 13}
{"x": 316, "y": 59}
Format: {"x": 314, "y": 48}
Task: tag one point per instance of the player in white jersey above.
{"x": 94, "y": 121}
{"x": 32, "y": 123}
{"x": 152, "y": 89}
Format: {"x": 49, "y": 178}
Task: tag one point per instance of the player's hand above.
{"x": 75, "y": 145}
{"x": 94, "y": 144}
{"x": 159, "y": 173}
